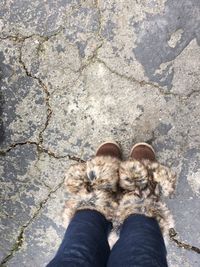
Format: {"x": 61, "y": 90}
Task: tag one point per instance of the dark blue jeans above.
{"x": 85, "y": 243}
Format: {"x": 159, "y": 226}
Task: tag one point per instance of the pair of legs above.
{"x": 86, "y": 243}
{"x": 139, "y": 211}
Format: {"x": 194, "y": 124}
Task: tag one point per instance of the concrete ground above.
{"x": 75, "y": 73}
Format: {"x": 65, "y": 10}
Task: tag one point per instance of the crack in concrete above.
{"x": 21, "y": 38}
{"x": 40, "y": 149}
{"x": 20, "y": 238}
{"x": 193, "y": 92}
{"x": 91, "y": 60}
{"x": 45, "y": 90}
{"x": 142, "y": 83}
{"x": 12, "y": 146}
{"x": 132, "y": 79}
{"x": 96, "y": 5}
{"x": 173, "y": 236}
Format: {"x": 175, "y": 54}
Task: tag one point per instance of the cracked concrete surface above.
{"x": 74, "y": 73}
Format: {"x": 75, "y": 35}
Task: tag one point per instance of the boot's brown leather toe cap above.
{"x": 143, "y": 151}
{"x": 109, "y": 149}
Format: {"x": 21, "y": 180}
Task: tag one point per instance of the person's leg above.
{"x": 90, "y": 206}
{"x": 145, "y": 219}
{"x": 140, "y": 244}
{"x": 85, "y": 242}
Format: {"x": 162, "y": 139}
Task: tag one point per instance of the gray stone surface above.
{"x": 75, "y": 73}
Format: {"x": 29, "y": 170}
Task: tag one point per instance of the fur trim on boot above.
{"x": 139, "y": 176}
{"x": 143, "y": 184}
{"x": 91, "y": 185}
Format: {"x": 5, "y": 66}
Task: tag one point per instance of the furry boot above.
{"x": 143, "y": 184}
{"x": 92, "y": 185}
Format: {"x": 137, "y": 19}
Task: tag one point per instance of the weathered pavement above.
{"x": 74, "y": 73}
